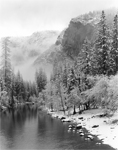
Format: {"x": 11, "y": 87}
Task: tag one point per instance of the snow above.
{"x": 105, "y": 131}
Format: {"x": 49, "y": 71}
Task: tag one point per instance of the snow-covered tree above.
{"x": 72, "y": 82}
{"x": 6, "y": 64}
{"x": 85, "y": 58}
{"x": 74, "y": 99}
{"x": 65, "y": 75}
{"x": 41, "y": 80}
{"x": 113, "y": 60}
{"x": 102, "y": 46}
{"x": 52, "y": 100}
{"x": 18, "y": 84}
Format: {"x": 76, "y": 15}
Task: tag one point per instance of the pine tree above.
{"x": 28, "y": 90}
{"x": 12, "y": 101}
{"x": 51, "y": 95}
{"x": 85, "y": 58}
{"x": 65, "y": 75}
{"x": 34, "y": 89}
{"x": 72, "y": 82}
{"x": 6, "y": 64}
{"x": 60, "y": 85}
{"x": 102, "y": 46}
{"x": 23, "y": 90}
{"x": 18, "y": 82}
{"x": 113, "y": 61}
{"x": 41, "y": 80}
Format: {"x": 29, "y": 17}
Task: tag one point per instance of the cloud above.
{"x": 22, "y": 17}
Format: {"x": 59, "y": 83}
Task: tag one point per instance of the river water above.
{"x": 28, "y": 128}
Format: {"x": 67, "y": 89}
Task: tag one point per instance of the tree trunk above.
{"x": 74, "y": 111}
{"x": 12, "y": 99}
{"x": 61, "y": 100}
{"x": 62, "y": 105}
{"x": 51, "y": 107}
{"x": 87, "y": 105}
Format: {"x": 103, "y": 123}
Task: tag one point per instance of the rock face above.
{"x": 75, "y": 35}
{"x": 81, "y": 27}
{"x": 70, "y": 41}
{"x": 49, "y": 56}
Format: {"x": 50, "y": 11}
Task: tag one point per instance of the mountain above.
{"x": 71, "y": 39}
{"x": 25, "y": 50}
{"x": 81, "y": 27}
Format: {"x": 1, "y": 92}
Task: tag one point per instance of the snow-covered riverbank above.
{"x": 106, "y": 128}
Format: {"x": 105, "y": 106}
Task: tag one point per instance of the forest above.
{"x": 84, "y": 81}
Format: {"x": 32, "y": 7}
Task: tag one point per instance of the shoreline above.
{"x": 104, "y": 130}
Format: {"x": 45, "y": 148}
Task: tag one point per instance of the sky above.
{"x": 23, "y": 17}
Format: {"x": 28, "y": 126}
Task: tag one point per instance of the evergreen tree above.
{"x": 34, "y": 89}
{"x": 41, "y": 80}
{"x": 72, "y": 82}
{"x": 59, "y": 84}
{"x": 28, "y": 90}
{"x": 18, "y": 83}
{"x": 12, "y": 101}
{"x": 65, "y": 73}
{"x": 6, "y": 64}
{"x": 51, "y": 95}
{"x": 23, "y": 90}
{"x": 113, "y": 61}
{"x": 85, "y": 58}
{"x": 102, "y": 46}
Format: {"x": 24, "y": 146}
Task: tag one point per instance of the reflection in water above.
{"x": 28, "y": 128}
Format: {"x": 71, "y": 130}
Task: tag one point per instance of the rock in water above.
{"x": 78, "y": 127}
{"x": 69, "y": 130}
{"x": 81, "y": 134}
{"x": 90, "y": 137}
{"x": 70, "y": 126}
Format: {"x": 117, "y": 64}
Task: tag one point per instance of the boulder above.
{"x": 80, "y": 130}
{"x": 93, "y": 117}
{"x": 69, "y": 129}
{"x": 66, "y": 120}
{"x": 4, "y": 108}
{"x": 98, "y": 143}
{"x": 63, "y": 118}
{"x": 81, "y": 134}
{"x": 90, "y": 137}
{"x": 70, "y": 126}
{"x": 87, "y": 139}
{"x": 81, "y": 118}
{"x": 78, "y": 127}
{"x": 95, "y": 126}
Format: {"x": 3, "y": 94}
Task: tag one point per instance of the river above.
{"x": 29, "y": 128}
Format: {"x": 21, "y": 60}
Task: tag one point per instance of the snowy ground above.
{"x": 106, "y": 130}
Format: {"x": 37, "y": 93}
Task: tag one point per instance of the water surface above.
{"x": 28, "y": 128}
